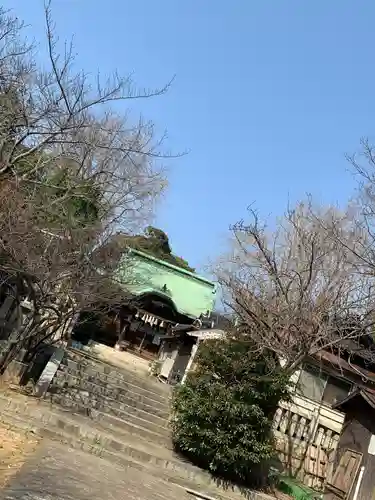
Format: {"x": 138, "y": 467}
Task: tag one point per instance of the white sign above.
{"x": 371, "y": 446}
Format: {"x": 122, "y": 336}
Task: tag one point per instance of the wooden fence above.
{"x": 307, "y": 436}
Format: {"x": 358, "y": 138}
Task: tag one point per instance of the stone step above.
{"x": 74, "y": 432}
{"x": 109, "y": 405}
{"x": 126, "y": 449}
{"x": 64, "y": 381}
{"x": 85, "y": 408}
{"x": 122, "y": 428}
{"x": 165, "y": 471}
{"x": 97, "y": 436}
{"x": 91, "y": 376}
{"x": 85, "y": 360}
{"x": 113, "y": 375}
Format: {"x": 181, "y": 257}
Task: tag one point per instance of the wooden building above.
{"x": 311, "y": 430}
{"x": 354, "y": 477}
{"x": 163, "y": 296}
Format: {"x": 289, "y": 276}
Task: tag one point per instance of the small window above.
{"x": 311, "y": 383}
{"x": 318, "y": 386}
{"x": 336, "y": 390}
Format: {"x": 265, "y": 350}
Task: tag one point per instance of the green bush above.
{"x": 222, "y": 415}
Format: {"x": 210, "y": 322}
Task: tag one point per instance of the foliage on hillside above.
{"x": 223, "y": 413}
{"x": 154, "y": 242}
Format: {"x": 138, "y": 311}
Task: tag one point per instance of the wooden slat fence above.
{"x": 307, "y": 436}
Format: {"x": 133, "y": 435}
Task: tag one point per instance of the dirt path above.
{"x": 15, "y": 449}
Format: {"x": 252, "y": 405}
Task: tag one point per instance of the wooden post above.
{"x": 142, "y": 342}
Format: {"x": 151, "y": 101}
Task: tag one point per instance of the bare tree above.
{"x": 62, "y": 109}
{"x": 296, "y": 291}
{"x": 72, "y": 172}
{"x": 359, "y": 241}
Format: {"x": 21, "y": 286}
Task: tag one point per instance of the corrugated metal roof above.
{"x": 211, "y": 334}
{"x": 341, "y": 363}
{"x": 367, "y": 394}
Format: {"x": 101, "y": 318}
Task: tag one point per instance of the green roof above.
{"x": 191, "y": 294}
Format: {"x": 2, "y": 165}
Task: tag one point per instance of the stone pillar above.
{"x": 49, "y": 372}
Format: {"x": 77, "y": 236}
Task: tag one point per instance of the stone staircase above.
{"x": 121, "y": 401}
{"x": 117, "y": 414}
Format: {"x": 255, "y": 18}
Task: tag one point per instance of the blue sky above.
{"x": 268, "y": 97}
